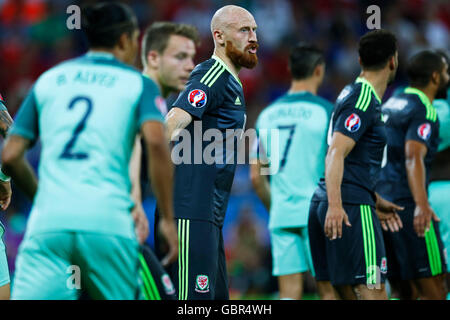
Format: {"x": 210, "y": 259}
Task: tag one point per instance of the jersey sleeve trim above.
{"x": 431, "y": 111}
{"x": 372, "y": 89}
{"x": 213, "y": 74}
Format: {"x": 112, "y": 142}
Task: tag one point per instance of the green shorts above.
{"x": 439, "y": 192}
{"x": 4, "y": 272}
{"x": 59, "y": 265}
{"x": 290, "y": 251}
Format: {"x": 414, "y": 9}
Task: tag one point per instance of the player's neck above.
{"x": 153, "y": 74}
{"x": 428, "y": 91}
{"x": 116, "y": 53}
{"x": 304, "y": 85}
{"x": 378, "y": 79}
{"x": 222, "y": 56}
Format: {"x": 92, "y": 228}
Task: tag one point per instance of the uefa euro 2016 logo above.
{"x": 197, "y": 98}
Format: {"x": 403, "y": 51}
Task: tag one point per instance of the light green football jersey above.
{"x": 86, "y": 113}
{"x": 292, "y": 136}
{"x": 443, "y": 110}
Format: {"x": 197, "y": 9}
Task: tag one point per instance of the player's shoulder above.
{"x": 419, "y": 105}
{"x": 359, "y": 95}
{"x": 214, "y": 74}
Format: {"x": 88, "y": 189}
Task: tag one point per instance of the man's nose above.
{"x": 252, "y": 36}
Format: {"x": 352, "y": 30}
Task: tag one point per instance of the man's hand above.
{"x": 140, "y": 223}
{"x": 422, "y": 219}
{"x": 5, "y": 194}
{"x": 387, "y": 214}
{"x": 169, "y": 231}
{"x": 333, "y": 222}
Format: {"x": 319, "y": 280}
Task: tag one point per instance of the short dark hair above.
{"x": 376, "y": 48}
{"x": 157, "y": 36}
{"x": 105, "y": 22}
{"x": 422, "y": 65}
{"x": 303, "y": 59}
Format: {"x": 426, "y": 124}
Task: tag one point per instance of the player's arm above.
{"x": 5, "y": 184}
{"x": 260, "y": 184}
{"x": 17, "y": 167}
{"x": 387, "y": 214}
{"x": 415, "y": 153}
{"x": 138, "y": 213}
{"x": 161, "y": 176}
{"x": 340, "y": 147}
{"x": 22, "y": 136}
{"x": 176, "y": 120}
{"x": 159, "y": 164}
{"x": 5, "y": 122}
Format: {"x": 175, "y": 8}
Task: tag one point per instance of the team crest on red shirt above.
{"x": 424, "y": 131}
{"x": 353, "y": 122}
{"x": 197, "y": 98}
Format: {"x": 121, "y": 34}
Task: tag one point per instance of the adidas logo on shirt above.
{"x": 238, "y": 101}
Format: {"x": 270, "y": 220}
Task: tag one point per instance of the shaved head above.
{"x": 234, "y": 32}
{"x": 227, "y": 16}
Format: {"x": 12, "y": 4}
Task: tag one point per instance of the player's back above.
{"x": 87, "y": 111}
{"x": 408, "y": 116}
{"x": 292, "y": 132}
{"x": 357, "y": 114}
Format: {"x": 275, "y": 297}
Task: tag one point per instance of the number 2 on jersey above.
{"x": 67, "y": 152}
{"x": 291, "y": 129}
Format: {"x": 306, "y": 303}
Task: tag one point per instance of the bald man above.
{"x": 212, "y": 103}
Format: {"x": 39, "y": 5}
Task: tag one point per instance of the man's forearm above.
{"x": 334, "y": 171}
{"x": 261, "y": 185}
{"x": 135, "y": 171}
{"x": 415, "y": 169}
{"x": 176, "y": 120}
{"x": 5, "y": 123}
{"x": 161, "y": 176}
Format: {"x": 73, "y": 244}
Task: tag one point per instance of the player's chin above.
{"x": 250, "y": 62}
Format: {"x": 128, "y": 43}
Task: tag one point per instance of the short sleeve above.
{"x": 26, "y": 122}
{"x": 421, "y": 129}
{"x": 147, "y": 108}
{"x": 353, "y": 122}
{"x": 197, "y": 97}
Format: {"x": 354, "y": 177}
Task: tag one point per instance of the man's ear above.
{"x": 218, "y": 37}
{"x": 124, "y": 39}
{"x": 319, "y": 70}
{"x": 435, "y": 78}
{"x": 392, "y": 63}
{"x": 153, "y": 59}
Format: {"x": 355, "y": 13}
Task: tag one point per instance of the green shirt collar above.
{"x": 226, "y": 67}
{"x": 100, "y": 54}
{"x": 359, "y": 79}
